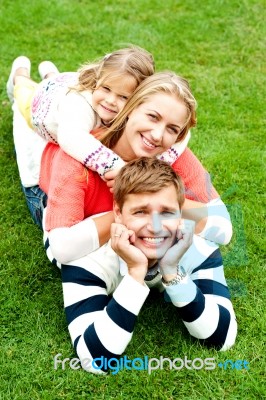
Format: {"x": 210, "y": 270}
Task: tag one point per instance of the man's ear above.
{"x": 117, "y": 213}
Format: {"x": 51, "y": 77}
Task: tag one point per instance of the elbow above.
{"x": 226, "y": 233}
{"x": 59, "y": 250}
{"x": 218, "y": 227}
{"x": 231, "y": 336}
{"x": 218, "y": 231}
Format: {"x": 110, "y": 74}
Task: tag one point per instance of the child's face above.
{"x": 154, "y": 217}
{"x": 110, "y": 96}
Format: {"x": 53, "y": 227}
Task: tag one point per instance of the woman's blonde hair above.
{"x": 132, "y": 60}
{"x": 165, "y": 82}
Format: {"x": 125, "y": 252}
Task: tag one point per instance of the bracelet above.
{"x": 181, "y": 273}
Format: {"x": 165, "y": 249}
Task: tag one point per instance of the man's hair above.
{"x": 146, "y": 175}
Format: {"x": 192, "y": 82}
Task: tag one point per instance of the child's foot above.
{"x": 20, "y": 62}
{"x": 47, "y": 69}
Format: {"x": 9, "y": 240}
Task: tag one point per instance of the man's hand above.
{"x": 122, "y": 241}
{"x": 168, "y": 264}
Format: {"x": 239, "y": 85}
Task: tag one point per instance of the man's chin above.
{"x": 155, "y": 255}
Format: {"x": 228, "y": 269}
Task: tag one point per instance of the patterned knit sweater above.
{"x": 66, "y": 117}
{"x": 76, "y": 193}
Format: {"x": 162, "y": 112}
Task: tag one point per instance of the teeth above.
{"x": 149, "y": 144}
{"x": 155, "y": 240}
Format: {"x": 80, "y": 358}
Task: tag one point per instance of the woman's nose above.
{"x": 157, "y": 133}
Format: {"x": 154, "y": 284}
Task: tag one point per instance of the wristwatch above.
{"x": 181, "y": 274}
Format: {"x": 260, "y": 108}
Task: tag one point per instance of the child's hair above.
{"x": 166, "y": 82}
{"x": 132, "y": 60}
{"x": 146, "y": 175}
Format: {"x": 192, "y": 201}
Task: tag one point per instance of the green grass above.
{"x": 219, "y": 46}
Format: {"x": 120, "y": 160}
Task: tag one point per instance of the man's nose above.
{"x": 155, "y": 223}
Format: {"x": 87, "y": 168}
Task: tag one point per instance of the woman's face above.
{"x": 152, "y": 127}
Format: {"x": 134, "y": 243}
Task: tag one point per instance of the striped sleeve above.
{"x": 100, "y": 327}
{"x": 203, "y": 302}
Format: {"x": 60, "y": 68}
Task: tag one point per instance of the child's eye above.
{"x": 153, "y": 117}
{"x": 106, "y": 88}
{"x": 123, "y": 97}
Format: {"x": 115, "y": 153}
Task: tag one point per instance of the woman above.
{"x": 161, "y": 112}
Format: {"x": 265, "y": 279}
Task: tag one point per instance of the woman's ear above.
{"x": 117, "y": 213}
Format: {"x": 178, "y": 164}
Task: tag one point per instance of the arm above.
{"x": 100, "y": 327}
{"x": 71, "y": 243}
{"x": 202, "y": 297}
{"x": 73, "y": 198}
{"x": 212, "y": 219}
{"x": 76, "y": 119}
{"x": 171, "y": 155}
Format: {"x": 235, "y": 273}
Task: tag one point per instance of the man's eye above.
{"x": 139, "y": 212}
{"x": 169, "y": 214}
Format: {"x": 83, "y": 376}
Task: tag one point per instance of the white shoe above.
{"x": 47, "y": 67}
{"x": 19, "y": 62}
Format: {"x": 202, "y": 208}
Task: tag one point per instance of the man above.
{"x": 150, "y": 246}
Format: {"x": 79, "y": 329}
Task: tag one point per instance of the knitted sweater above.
{"x": 66, "y": 117}
{"x": 74, "y": 192}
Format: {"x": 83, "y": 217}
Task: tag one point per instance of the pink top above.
{"x": 76, "y": 192}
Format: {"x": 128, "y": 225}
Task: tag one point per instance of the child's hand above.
{"x": 109, "y": 177}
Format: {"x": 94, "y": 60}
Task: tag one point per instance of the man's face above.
{"x": 154, "y": 218}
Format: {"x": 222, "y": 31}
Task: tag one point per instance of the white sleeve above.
{"x": 218, "y": 228}
{"x": 67, "y": 244}
{"x": 29, "y": 148}
{"x": 76, "y": 119}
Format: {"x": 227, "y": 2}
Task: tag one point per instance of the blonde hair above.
{"x": 166, "y": 82}
{"x": 132, "y": 60}
{"x": 146, "y": 175}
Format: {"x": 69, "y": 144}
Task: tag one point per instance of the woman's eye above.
{"x": 173, "y": 130}
{"x": 106, "y": 88}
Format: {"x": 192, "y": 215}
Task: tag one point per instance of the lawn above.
{"x": 218, "y": 46}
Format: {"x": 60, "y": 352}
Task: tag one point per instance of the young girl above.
{"x": 65, "y": 107}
